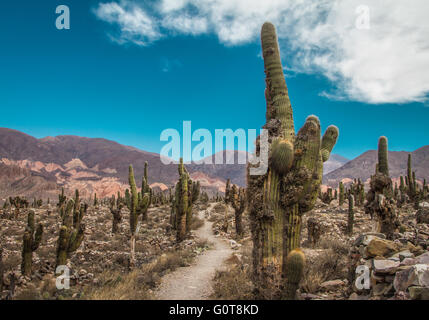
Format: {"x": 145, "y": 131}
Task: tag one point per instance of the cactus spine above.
{"x": 278, "y": 199}
{"x": 30, "y": 243}
{"x": 295, "y": 264}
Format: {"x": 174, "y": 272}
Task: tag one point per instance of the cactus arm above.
{"x": 328, "y": 142}
{"x": 76, "y": 239}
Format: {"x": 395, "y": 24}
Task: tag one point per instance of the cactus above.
{"x": 145, "y": 191}
{"x": 314, "y": 231}
{"x": 411, "y": 184}
{"x": 351, "y": 216}
{"x": 341, "y": 194}
{"x": 278, "y": 199}
{"x": 61, "y": 199}
{"x": 18, "y": 203}
{"x": 70, "y": 237}
{"x": 327, "y": 196}
{"x": 383, "y": 163}
{"x": 227, "y": 191}
{"x": 115, "y": 209}
{"x": 30, "y": 243}
{"x": 380, "y": 200}
{"x": 95, "y": 200}
{"x": 238, "y": 202}
{"x": 182, "y": 202}
{"x": 295, "y": 264}
{"x": 138, "y": 204}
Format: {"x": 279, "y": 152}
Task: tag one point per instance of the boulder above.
{"x": 365, "y": 239}
{"x": 381, "y": 247}
{"x": 332, "y": 285}
{"x": 385, "y": 266}
{"x": 423, "y": 259}
{"x": 417, "y": 275}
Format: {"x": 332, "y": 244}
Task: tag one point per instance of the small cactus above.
{"x": 115, "y": 209}
{"x": 30, "y": 243}
{"x": 295, "y": 264}
{"x": 341, "y": 194}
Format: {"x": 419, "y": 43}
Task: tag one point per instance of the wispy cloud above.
{"x": 386, "y": 63}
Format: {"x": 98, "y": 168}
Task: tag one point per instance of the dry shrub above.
{"x": 118, "y": 286}
{"x": 196, "y": 223}
{"x": 235, "y": 283}
{"x": 328, "y": 265}
{"x": 219, "y": 207}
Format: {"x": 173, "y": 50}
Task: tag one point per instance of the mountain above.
{"x": 335, "y": 161}
{"x": 39, "y": 167}
{"x": 363, "y": 166}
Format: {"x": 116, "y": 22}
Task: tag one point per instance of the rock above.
{"x": 424, "y": 205}
{"x": 381, "y": 247}
{"x": 234, "y": 244}
{"x": 419, "y": 293}
{"x": 381, "y": 289}
{"x": 365, "y": 239}
{"x": 422, "y": 215}
{"x": 405, "y": 254}
{"x": 385, "y": 266}
{"x": 332, "y": 285}
{"x": 408, "y": 262}
{"x": 422, "y": 259}
{"x": 417, "y": 275}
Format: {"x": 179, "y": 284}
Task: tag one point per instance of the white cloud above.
{"x": 387, "y": 63}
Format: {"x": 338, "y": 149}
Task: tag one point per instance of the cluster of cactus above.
{"x": 159, "y": 199}
{"x": 351, "y": 215}
{"x": 72, "y": 231}
{"x": 410, "y": 191}
{"x": 204, "y": 198}
{"x": 380, "y": 201}
{"x": 138, "y": 204}
{"x": 187, "y": 193}
{"x": 238, "y": 202}
{"x": 19, "y": 203}
{"x": 37, "y": 203}
{"x": 30, "y": 242}
{"x": 279, "y": 198}
{"x": 61, "y": 199}
{"x": 115, "y": 207}
{"x": 358, "y": 191}
{"x": 314, "y": 231}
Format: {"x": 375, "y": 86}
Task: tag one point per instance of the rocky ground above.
{"x": 397, "y": 269}
{"x": 100, "y": 259}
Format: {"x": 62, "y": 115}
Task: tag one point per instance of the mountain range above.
{"x": 40, "y": 167}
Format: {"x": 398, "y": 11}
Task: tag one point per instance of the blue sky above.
{"x": 97, "y": 80}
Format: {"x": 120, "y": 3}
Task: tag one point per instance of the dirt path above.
{"x": 194, "y": 282}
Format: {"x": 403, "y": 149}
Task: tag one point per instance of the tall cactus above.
{"x": 30, "y": 243}
{"x": 341, "y": 194}
{"x": 70, "y": 237}
{"x": 182, "y": 202}
{"x": 278, "y": 199}
{"x": 238, "y": 202}
{"x": 351, "y": 215}
{"x": 383, "y": 163}
{"x": 295, "y": 264}
{"x": 138, "y": 204}
{"x": 146, "y": 191}
{"x": 380, "y": 199}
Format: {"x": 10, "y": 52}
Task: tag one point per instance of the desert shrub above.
{"x": 235, "y": 283}
{"x": 114, "y": 285}
{"x": 196, "y": 223}
{"x": 219, "y": 207}
{"x": 328, "y": 265}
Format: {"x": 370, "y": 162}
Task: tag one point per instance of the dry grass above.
{"x": 328, "y": 265}
{"x": 235, "y": 284}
